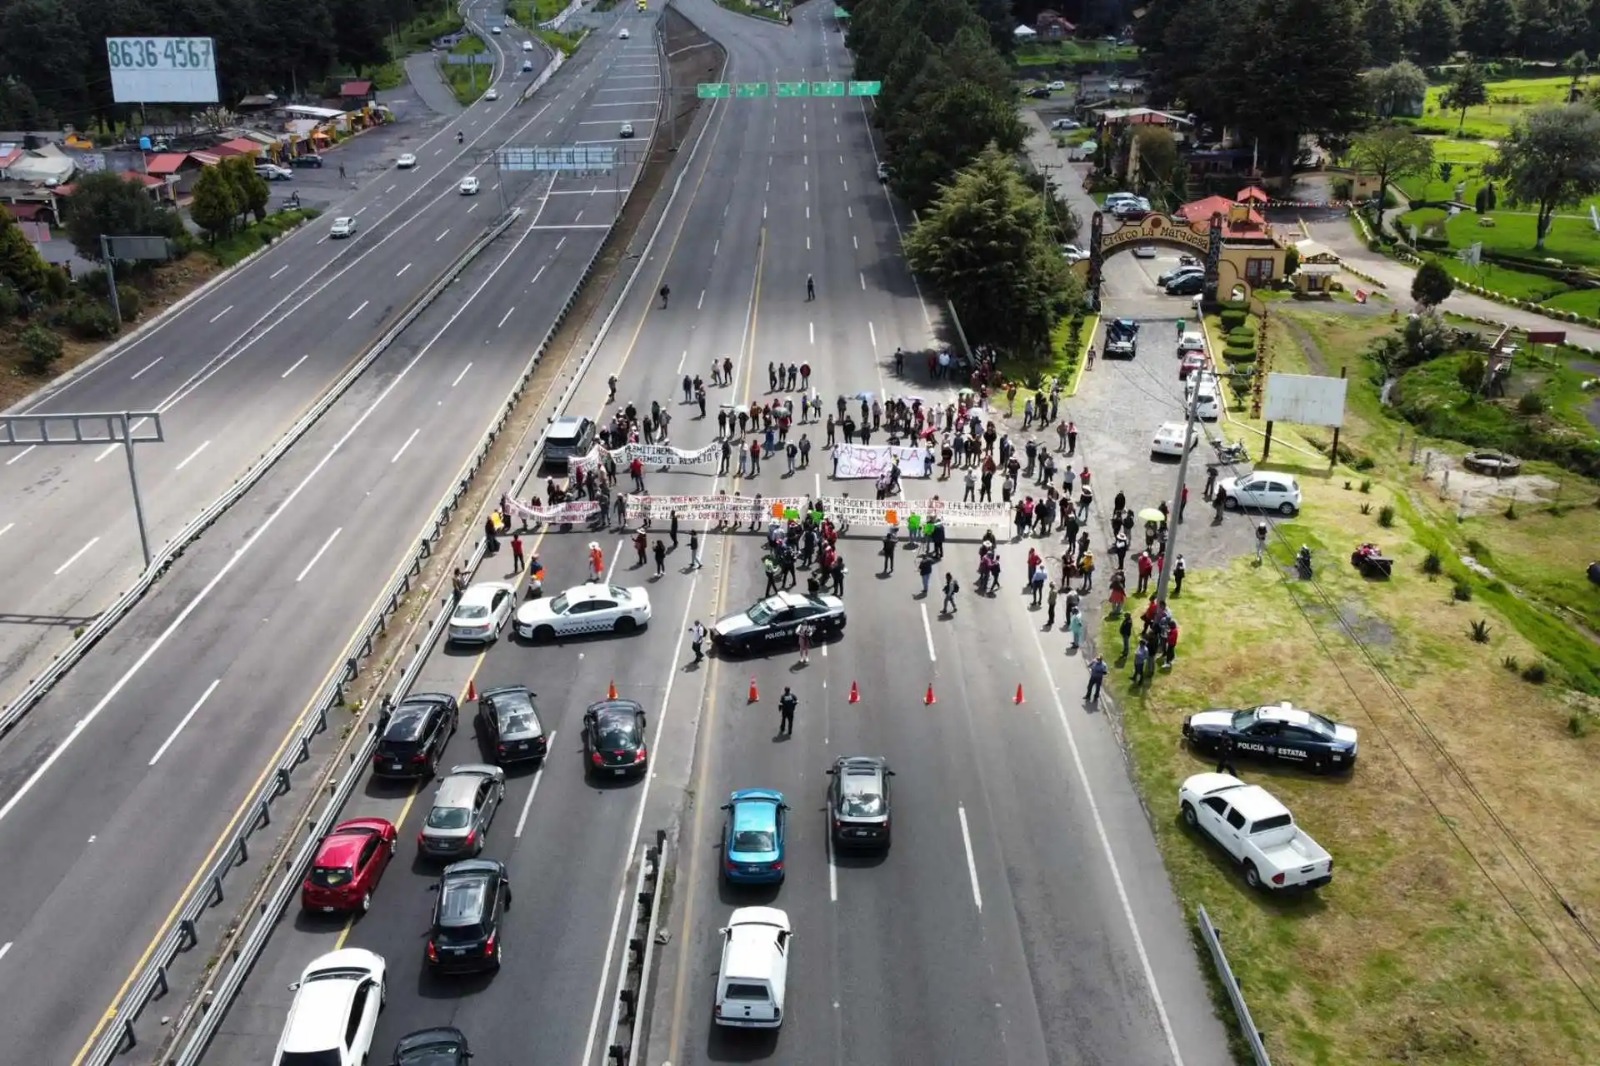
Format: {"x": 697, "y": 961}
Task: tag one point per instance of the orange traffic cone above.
{"x": 928, "y": 700}
{"x": 1019, "y": 692}
{"x": 472, "y": 690}
{"x": 755, "y": 695}
{"x": 855, "y": 693}
{"x": 611, "y": 693}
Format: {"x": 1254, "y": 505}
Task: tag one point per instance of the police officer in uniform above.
{"x": 786, "y": 705}
{"x": 1225, "y": 756}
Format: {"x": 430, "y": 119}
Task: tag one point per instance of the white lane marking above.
{"x": 927, "y": 631}
{"x": 972, "y": 867}
{"x": 855, "y": 242}
{"x": 537, "y": 274}
{"x": 191, "y": 456}
{"x": 849, "y": 211}
{"x": 505, "y": 316}
{"x": 808, "y": 210}
{"x": 558, "y": 246}
{"x": 763, "y": 211}
{"x": 1111, "y": 859}
{"x": 461, "y": 375}
{"x": 527, "y": 804}
{"x": 441, "y": 236}
{"x": 402, "y": 270}
{"x": 615, "y": 554}
{"x": 147, "y": 366}
{"x": 681, "y": 360}
{"x": 715, "y": 247}
{"x": 280, "y": 270}
{"x": 6, "y": 528}
{"x": 222, "y": 312}
{"x": 473, "y": 208}
{"x": 812, "y": 327}
{"x": 808, "y": 242}
{"x": 390, "y": 189}
{"x": 363, "y": 208}
{"x": 698, "y": 304}
{"x": 406, "y": 445}
{"x": 6, "y": 949}
{"x": 872, "y": 333}
{"x": 863, "y": 276}
{"x": 638, "y": 823}
{"x": 77, "y": 554}
{"x": 325, "y": 546}
{"x": 297, "y": 363}
{"x": 20, "y": 454}
{"x": 833, "y": 871}
{"x": 357, "y": 311}
{"x": 206, "y": 695}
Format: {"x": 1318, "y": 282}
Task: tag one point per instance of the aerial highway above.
{"x": 233, "y": 369}
{"x": 122, "y": 778}
{"x": 1022, "y": 914}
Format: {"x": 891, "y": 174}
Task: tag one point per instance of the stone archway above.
{"x": 1166, "y": 230}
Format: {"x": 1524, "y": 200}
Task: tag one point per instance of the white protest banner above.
{"x": 558, "y": 513}
{"x": 741, "y": 510}
{"x": 874, "y": 460}
{"x": 659, "y": 455}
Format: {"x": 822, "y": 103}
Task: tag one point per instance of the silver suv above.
{"x": 569, "y": 437}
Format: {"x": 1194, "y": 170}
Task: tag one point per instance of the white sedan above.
{"x": 481, "y": 612}
{"x": 623, "y": 35}
{"x": 1168, "y": 439}
{"x": 406, "y": 162}
{"x": 591, "y": 608}
{"x": 492, "y": 94}
{"x": 343, "y": 226}
{"x": 469, "y": 186}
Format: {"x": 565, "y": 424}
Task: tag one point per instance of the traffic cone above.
{"x": 611, "y": 693}
{"x": 755, "y": 695}
{"x": 928, "y": 700}
{"x": 1019, "y": 692}
{"x": 472, "y": 690}
{"x": 855, "y": 693}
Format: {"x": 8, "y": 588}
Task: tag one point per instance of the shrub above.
{"x": 129, "y": 301}
{"x": 1432, "y": 565}
{"x": 1578, "y": 724}
{"x": 1232, "y": 318}
{"x": 1366, "y": 484}
{"x": 1242, "y": 335}
{"x": 1511, "y": 510}
{"x": 1366, "y": 508}
{"x": 1535, "y": 673}
{"x": 43, "y": 348}
{"x": 1480, "y": 632}
{"x": 1510, "y": 663}
{"x": 1461, "y": 592}
{"x": 89, "y": 321}
{"x": 1235, "y": 353}
{"x": 93, "y": 283}
{"x": 10, "y": 302}
{"x": 1386, "y": 516}
{"x": 1365, "y": 462}
{"x": 1531, "y": 403}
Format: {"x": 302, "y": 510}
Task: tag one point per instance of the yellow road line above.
{"x": 702, "y": 800}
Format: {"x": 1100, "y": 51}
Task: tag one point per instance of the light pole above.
{"x": 1175, "y": 508}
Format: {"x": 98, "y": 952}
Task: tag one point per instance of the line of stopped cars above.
{"x": 1246, "y": 821}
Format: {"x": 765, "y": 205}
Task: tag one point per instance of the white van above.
{"x": 1202, "y": 390}
{"x": 755, "y": 969}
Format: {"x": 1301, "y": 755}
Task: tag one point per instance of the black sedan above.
{"x": 1280, "y": 731}
{"x": 613, "y": 739}
{"x": 772, "y": 623}
{"x": 509, "y": 726}
{"x": 443, "y": 1046}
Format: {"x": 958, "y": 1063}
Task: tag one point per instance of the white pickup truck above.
{"x": 1256, "y": 830}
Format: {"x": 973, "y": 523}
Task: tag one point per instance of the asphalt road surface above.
{"x": 1023, "y": 915}
{"x": 120, "y": 780}
{"x": 231, "y": 371}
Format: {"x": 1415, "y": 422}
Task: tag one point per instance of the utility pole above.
{"x": 1175, "y": 507}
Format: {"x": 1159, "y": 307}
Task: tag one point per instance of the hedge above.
{"x": 1233, "y": 318}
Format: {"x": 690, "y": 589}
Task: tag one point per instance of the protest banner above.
{"x": 851, "y": 461}
{"x": 739, "y": 510}
{"x": 556, "y": 514}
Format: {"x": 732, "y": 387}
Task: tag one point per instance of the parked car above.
{"x": 310, "y": 159}
{"x": 349, "y": 863}
{"x": 1168, "y": 439}
{"x": 458, "y": 822}
{"x": 754, "y": 972}
{"x": 1057, "y": 86}
{"x": 1190, "y": 363}
{"x": 1144, "y": 251}
{"x": 415, "y": 734}
{"x": 1187, "y": 285}
{"x": 1202, "y": 390}
{"x": 1277, "y": 731}
{"x": 509, "y": 725}
{"x": 884, "y": 173}
{"x": 482, "y": 612}
{"x": 1256, "y": 831}
{"x": 859, "y": 807}
{"x": 1038, "y": 93}
{"x": 1122, "y": 338}
{"x": 569, "y": 437}
{"x": 1191, "y": 341}
{"x": 753, "y": 837}
{"x": 1072, "y": 253}
{"x": 1261, "y": 491}
{"x": 273, "y": 172}
{"x": 473, "y": 896}
{"x": 335, "y": 1010}
{"x": 614, "y": 739}
{"x": 588, "y": 608}
{"x": 1065, "y": 124}
{"x": 771, "y": 623}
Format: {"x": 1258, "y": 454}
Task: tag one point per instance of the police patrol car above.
{"x": 1277, "y": 731}
{"x": 591, "y": 608}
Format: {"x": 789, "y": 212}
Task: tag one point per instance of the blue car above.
{"x": 752, "y": 844}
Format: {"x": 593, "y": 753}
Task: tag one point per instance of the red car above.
{"x": 348, "y": 865}
{"x": 1192, "y": 361}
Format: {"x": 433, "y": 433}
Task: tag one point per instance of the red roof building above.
{"x": 1239, "y": 221}
{"x": 238, "y": 146}
{"x": 165, "y": 163}
{"x": 1253, "y": 195}
{"x": 355, "y": 90}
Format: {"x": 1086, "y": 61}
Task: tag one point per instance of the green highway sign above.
{"x": 840, "y": 13}
{"x": 865, "y": 88}
{"x": 713, "y": 90}
{"x": 794, "y": 88}
{"x": 827, "y": 88}
{"x": 751, "y": 89}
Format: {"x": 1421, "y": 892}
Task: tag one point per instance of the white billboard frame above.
{"x": 1305, "y": 399}
{"x": 163, "y": 70}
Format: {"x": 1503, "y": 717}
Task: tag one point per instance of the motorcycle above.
{"x": 1230, "y": 451}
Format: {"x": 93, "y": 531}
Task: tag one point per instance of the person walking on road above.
{"x": 786, "y": 705}
{"x": 950, "y": 590}
{"x": 1050, "y": 598}
{"x": 1097, "y": 675}
{"x": 925, "y": 571}
{"x": 672, "y": 529}
{"x": 666, "y": 292}
{"x": 517, "y": 559}
{"x": 697, "y": 641}
{"x": 804, "y": 631}
{"x": 811, "y": 288}
{"x": 1261, "y": 541}
{"x": 694, "y": 549}
{"x": 889, "y": 546}
{"x": 661, "y": 557}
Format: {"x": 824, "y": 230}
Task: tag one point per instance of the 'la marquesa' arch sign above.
{"x": 1165, "y": 230}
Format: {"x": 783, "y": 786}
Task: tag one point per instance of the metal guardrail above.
{"x": 1230, "y": 984}
{"x": 182, "y": 933}
{"x": 212, "y": 1006}
{"x": 633, "y": 973}
{"x": 175, "y": 547}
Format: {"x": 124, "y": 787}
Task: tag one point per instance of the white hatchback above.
{"x": 469, "y": 186}
{"x": 1264, "y": 490}
{"x": 335, "y": 1010}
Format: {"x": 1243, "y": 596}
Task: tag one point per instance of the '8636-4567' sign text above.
{"x": 157, "y": 70}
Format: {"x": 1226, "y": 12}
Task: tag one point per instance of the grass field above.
{"x": 1467, "y": 160}
{"x": 1072, "y": 53}
{"x": 1412, "y": 955}
{"x": 1508, "y": 101}
{"x": 1572, "y": 238}
{"x": 468, "y": 82}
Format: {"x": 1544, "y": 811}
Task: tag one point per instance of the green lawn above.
{"x": 1071, "y": 53}
{"x": 1508, "y": 101}
{"x": 1467, "y": 160}
{"x": 1572, "y": 240}
{"x": 467, "y": 82}
{"x": 532, "y": 12}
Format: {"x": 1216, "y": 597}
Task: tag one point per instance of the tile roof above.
{"x": 355, "y": 88}
{"x": 1202, "y": 210}
{"x": 165, "y": 162}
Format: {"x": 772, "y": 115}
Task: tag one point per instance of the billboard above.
{"x": 1305, "y": 399}
{"x": 162, "y": 70}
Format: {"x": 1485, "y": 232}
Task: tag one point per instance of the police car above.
{"x": 1277, "y": 731}
{"x": 591, "y": 608}
{"x": 773, "y": 622}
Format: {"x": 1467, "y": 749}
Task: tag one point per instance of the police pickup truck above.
{"x": 1256, "y": 830}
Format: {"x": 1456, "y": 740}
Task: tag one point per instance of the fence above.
{"x": 633, "y": 975}
{"x": 1230, "y": 984}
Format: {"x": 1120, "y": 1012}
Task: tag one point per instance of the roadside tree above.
{"x": 249, "y": 188}
{"x": 985, "y": 244}
{"x": 1395, "y": 87}
{"x": 1435, "y": 31}
{"x": 1490, "y": 27}
{"x": 943, "y": 131}
{"x": 1467, "y": 89}
{"x": 1551, "y": 159}
{"x": 20, "y": 264}
{"x": 215, "y": 206}
{"x": 1390, "y": 152}
{"x": 1385, "y": 25}
{"x": 106, "y": 204}
{"x": 1432, "y": 285}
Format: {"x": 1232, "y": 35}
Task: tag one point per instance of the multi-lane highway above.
{"x": 1023, "y": 914}
{"x": 119, "y": 782}
{"x": 233, "y": 369}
